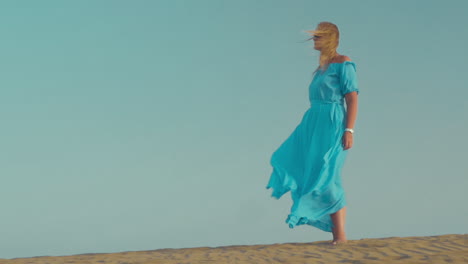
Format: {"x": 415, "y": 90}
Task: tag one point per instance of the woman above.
{"x": 309, "y": 161}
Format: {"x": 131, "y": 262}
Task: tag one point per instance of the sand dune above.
{"x": 430, "y": 249}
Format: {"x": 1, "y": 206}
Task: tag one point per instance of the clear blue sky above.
{"x": 139, "y": 125}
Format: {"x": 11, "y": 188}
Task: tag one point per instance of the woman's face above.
{"x": 318, "y": 41}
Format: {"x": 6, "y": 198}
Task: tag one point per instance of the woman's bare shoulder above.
{"x": 342, "y": 58}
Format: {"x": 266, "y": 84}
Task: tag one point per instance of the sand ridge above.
{"x": 451, "y": 248}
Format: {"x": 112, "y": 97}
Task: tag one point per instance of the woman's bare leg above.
{"x": 338, "y": 219}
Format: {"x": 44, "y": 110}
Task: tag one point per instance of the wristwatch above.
{"x": 350, "y": 130}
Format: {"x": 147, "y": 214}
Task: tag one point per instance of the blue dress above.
{"x": 308, "y": 163}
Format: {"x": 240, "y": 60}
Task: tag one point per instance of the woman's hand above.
{"x": 347, "y": 140}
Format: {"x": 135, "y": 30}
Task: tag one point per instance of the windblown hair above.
{"x": 330, "y": 36}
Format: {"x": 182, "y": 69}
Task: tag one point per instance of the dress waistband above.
{"x": 323, "y": 102}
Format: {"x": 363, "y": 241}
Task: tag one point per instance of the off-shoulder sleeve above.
{"x": 349, "y": 81}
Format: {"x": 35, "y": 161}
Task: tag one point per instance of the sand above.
{"x": 431, "y": 249}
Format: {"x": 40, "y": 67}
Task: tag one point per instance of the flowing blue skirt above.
{"x": 308, "y": 163}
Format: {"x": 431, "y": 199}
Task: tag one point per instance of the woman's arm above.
{"x": 351, "y": 108}
{"x": 351, "y": 115}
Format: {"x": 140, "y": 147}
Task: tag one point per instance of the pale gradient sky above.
{"x": 139, "y": 125}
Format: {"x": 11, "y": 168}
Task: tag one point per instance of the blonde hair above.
{"x": 330, "y": 36}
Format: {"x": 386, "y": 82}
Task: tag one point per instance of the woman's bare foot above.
{"x": 338, "y": 241}
{"x": 339, "y": 237}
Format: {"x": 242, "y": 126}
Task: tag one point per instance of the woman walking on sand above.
{"x": 308, "y": 163}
